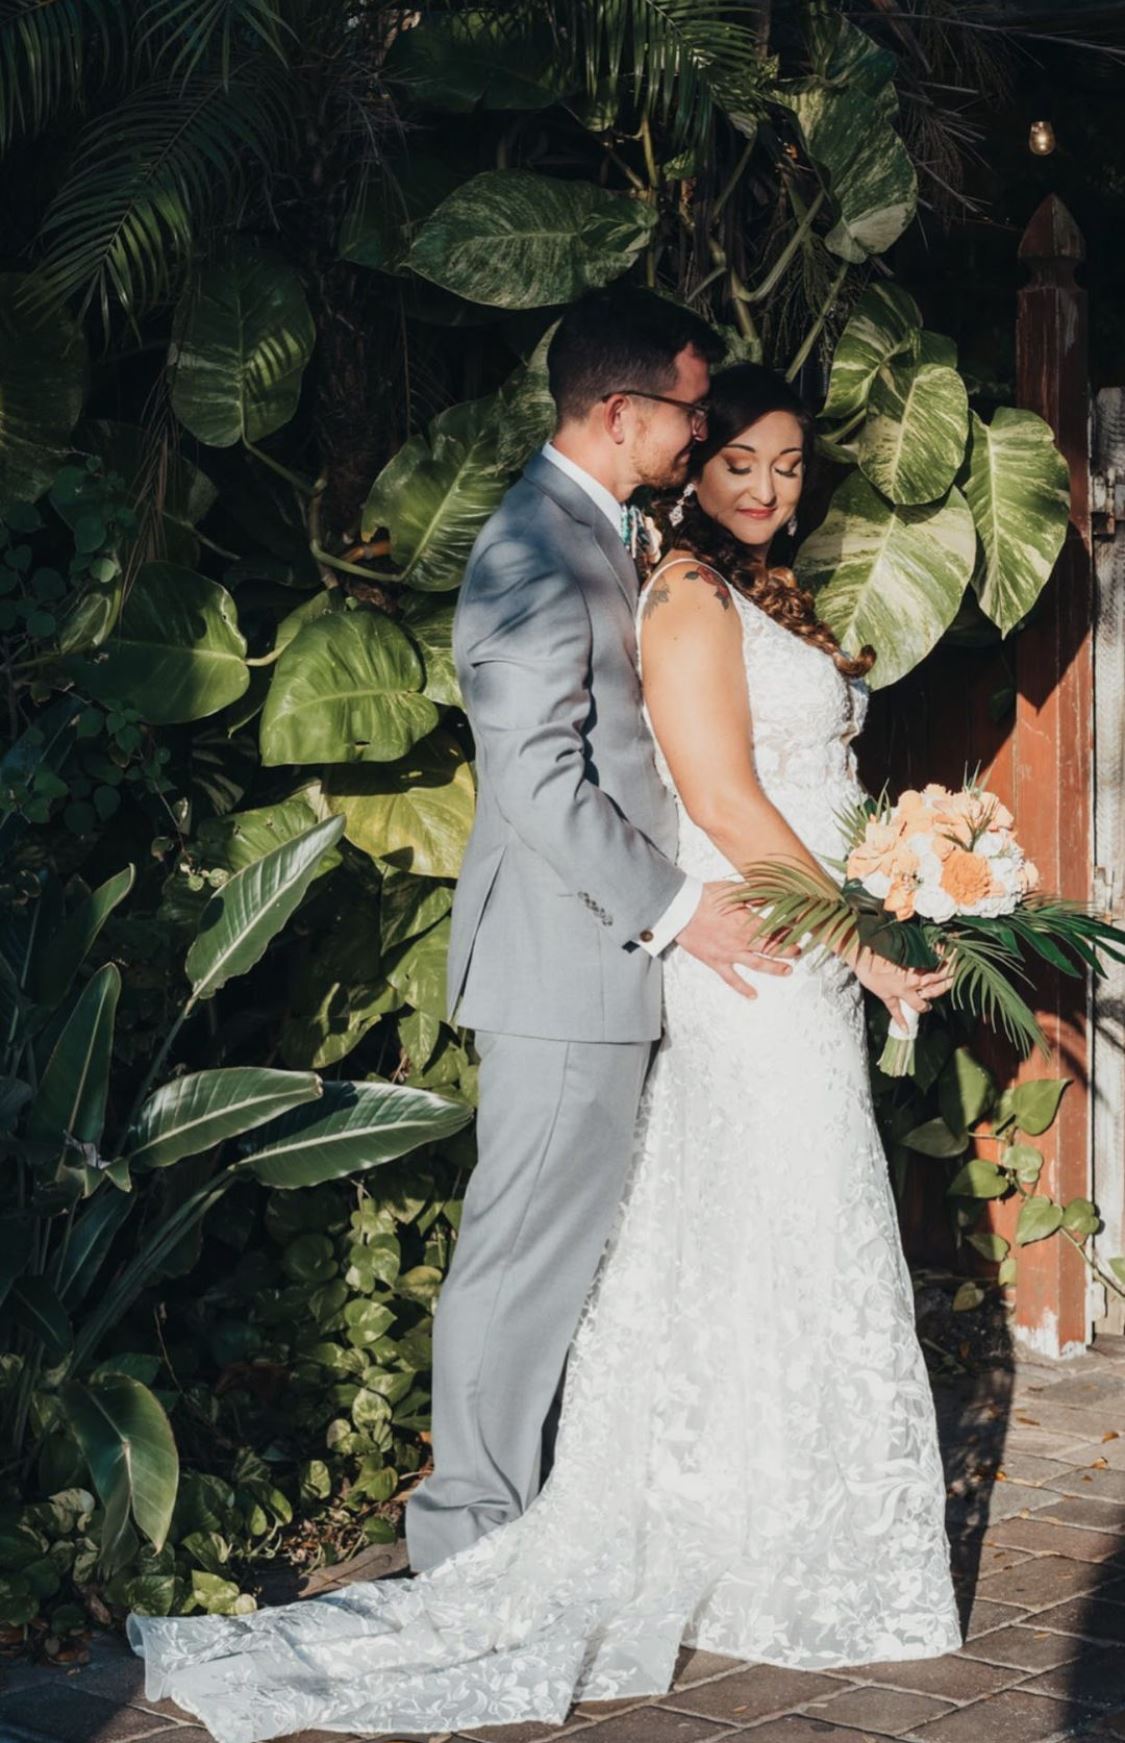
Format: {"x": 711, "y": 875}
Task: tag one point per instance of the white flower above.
{"x": 990, "y": 844}
{"x": 934, "y": 903}
{"x": 876, "y": 884}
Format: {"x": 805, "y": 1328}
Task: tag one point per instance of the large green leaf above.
{"x": 177, "y": 653}
{"x": 192, "y": 1114}
{"x": 42, "y": 377}
{"x": 1018, "y": 488}
{"x": 241, "y": 837}
{"x": 130, "y": 1449}
{"x": 419, "y": 972}
{"x": 416, "y": 814}
{"x": 436, "y": 493}
{"x": 430, "y": 622}
{"x": 58, "y": 959}
{"x": 845, "y": 113}
{"x": 379, "y": 225}
{"x": 71, "y": 1101}
{"x": 346, "y": 690}
{"x": 880, "y": 325}
{"x": 354, "y": 1127}
{"x": 472, "y": 58}
{"x": 242, "y": 337}
{"x": 889, "y": 576}
{"x": 515, "y": 240}
{"x": 409, "y": 906}
{"x": 240, "y": 919}
{"x": 913, "y": 441}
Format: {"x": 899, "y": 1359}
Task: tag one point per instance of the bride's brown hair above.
{"x": 739, "y": 396}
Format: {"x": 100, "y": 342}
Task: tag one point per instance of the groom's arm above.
{"x": 524, "y": 649}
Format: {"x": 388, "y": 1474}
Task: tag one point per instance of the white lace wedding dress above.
{"x": 747, "y": 1459}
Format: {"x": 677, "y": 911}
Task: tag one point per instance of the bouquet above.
{"x": 937, "y": 879}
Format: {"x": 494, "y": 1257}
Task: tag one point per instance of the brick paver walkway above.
{"x": 1036, "y": 1465}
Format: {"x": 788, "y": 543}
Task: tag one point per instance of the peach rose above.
{"x": 965, "y": 877}
{"x": 899, "y": 899}
{"x": 875, "y": 853}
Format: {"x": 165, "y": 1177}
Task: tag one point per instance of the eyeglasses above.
{"x": 698, "y": 410}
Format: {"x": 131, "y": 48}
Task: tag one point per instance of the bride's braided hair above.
{"x": 739, "y": 396}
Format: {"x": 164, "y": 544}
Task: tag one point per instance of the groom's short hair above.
{"x": 625, "y": 336}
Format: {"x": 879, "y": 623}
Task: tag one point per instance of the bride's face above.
{"x": 753, "y": 485}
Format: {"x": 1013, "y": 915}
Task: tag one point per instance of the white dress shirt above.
{"x": 684, "y": 903}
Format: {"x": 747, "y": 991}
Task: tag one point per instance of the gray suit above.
{"x": 570, "y": 858}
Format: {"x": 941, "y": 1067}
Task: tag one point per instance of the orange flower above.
{"x": 875, "y": 852}
{"x": 965, "y": 877}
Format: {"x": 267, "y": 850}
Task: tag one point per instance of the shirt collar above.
{"x": 597, "y": 493}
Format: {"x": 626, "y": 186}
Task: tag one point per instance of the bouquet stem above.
{"x": 897, "y": 1057}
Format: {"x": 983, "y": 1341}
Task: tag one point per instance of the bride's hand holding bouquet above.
{"x": 937, "y": 897}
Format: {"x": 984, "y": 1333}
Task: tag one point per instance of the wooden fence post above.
{"x": 1051, "y": 768}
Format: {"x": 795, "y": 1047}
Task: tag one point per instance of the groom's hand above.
{"x": 728, "y": 939}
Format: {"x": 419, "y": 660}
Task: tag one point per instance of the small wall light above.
{"x": 1041, "y": 138}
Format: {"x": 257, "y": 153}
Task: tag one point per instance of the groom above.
{"x": 567, "y": 897}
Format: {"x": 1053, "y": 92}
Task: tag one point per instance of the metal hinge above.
{"x": 1107, "y": 894}
{"x": 1107, "y": 501}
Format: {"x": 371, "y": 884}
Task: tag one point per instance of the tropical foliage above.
{"x": 272, "y": 342}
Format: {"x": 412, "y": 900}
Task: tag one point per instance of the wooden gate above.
{"x": 1040, "y": 760}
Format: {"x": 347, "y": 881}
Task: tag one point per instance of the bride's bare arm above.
{"x": 695, "y": 690}
{"x": 697, "y": 699}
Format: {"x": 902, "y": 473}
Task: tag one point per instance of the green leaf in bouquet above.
{"x": 979, "y": 1179}
{"x": 1038, "y": 1218}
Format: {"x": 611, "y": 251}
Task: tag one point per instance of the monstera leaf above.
{"x": 1018, "y": 489}
{"x": 845, "y": 112}
{"x": 436, "y": 494}
{"x": 346, "y": 690}
{"x": 243, "y": 336}
{"x": 177, "y": 653}
{"x": 889, "y": 576}
{"x": 416, "y": 814}
{"x": 913, "y": 441}
{"x": 515, "y": 240}
{"x": 878, "y": 326}
{"x": 42, "y": 375}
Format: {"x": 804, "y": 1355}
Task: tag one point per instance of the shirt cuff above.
{"x": 680, "y": 910}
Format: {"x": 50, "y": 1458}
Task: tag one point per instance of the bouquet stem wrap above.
{"x": 897, "y": 1057}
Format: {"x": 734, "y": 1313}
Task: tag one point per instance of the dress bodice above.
{"x": 806, "y": 716}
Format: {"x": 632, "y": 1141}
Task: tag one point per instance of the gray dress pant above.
{"x": 554, "y": 1140}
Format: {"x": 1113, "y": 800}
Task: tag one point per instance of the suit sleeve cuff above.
{"x": 680, "y": 910}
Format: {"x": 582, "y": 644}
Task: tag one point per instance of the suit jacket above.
{"x": 571, "y": 852}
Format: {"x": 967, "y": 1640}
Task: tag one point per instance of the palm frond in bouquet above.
{"x": 937, "y": 878}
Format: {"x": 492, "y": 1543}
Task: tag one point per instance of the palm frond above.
{"x": 982, "y": 984}
{"x": 55, "y": 54}
{"x": 146, "y": 174}
{"x": 184, "y": 35}
{"x": 681, "y": 58}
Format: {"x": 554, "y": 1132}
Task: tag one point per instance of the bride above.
{"x": 747, "y": 1460}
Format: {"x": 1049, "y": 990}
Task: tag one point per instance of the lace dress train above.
{"x": 747, "y": 1459}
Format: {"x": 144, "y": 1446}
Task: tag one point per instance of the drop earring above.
{"x": 791, "y": 529}
{"x": 676, "y": 512}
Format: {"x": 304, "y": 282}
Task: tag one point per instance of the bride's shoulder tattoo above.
{"x": 660, "y": 593}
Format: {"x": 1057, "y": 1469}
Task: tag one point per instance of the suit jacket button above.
{"x": 645, "y": 937}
